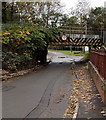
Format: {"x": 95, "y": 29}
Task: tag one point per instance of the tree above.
{"x": 56, "y": 19}
{"x": 4, "y": 17}
{"x": 81, "y": 10}
{"x": 50, "y": 12}
{"x": 44, "y": 13}
{"x": 73, "y": 20}
{"x": 64, "y": 20}
{"x": 97, "y": 20}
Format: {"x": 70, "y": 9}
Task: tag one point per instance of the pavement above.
{"x": 94, "y": 107}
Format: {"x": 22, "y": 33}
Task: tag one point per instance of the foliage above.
{"x": 97, "y": 20}
{"x": 86, "y": 56}
{"x": 10, "y": 60}
{"x": 22, "y": 43}
{"x": 44, "y": 13}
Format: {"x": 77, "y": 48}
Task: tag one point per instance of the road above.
{"x": 40, "y": 94}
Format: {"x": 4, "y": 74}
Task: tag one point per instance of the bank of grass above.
{"x": 77, "y": 53}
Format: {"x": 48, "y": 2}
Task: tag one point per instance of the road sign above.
{"x": 64, "y": 37}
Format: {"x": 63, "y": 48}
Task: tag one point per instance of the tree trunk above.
{"x": 42, "y": 56}
{"x": 4, "y": 15}
{"x": 12, "y": 11}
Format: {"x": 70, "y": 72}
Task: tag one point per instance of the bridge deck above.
{"x": 95, "y": 40}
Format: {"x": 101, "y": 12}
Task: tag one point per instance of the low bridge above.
{"x": 78, "y": 40}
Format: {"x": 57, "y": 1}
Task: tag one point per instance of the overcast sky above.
{"x": 72, "y": 3}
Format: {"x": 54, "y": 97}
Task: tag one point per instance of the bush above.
{"x": 22, "y": 43}
{"x": 10, "y": 60}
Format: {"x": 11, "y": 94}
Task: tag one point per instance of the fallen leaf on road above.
{"x": 102, "y": 112}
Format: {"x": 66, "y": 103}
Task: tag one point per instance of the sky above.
{"x": 71, "y": 3}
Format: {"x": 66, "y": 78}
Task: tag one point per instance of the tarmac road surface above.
{"x": 40, "y": 94}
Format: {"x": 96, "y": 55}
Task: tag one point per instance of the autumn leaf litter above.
{"x": 82, "y": 90}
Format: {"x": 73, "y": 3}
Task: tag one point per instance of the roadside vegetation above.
{"x": 86, "y": 56}
{"x": 24, "y": 45}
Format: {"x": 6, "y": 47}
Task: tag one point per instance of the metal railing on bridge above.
{"x": 84, "y": 36}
